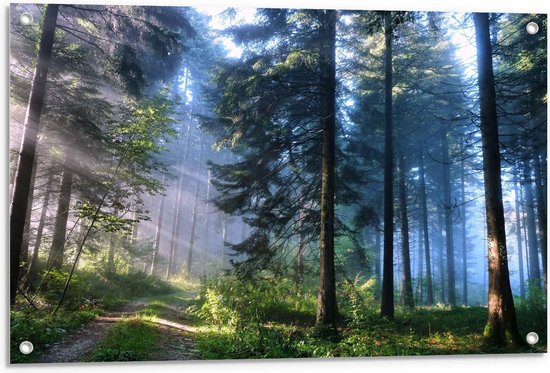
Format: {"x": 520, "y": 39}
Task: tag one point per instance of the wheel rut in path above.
{"x": 175, "y": 343}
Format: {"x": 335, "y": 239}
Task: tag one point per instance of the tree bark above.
{"x": 441, "y": 257}
{"x": 195, "y": 212}
{"x": 449, "y": 244}
{"x": 534, "y": 265}
{"x": 408, "y": 299}
{"x": 206, "y": 221}
{"x": 33, "y": 265}
{"x": 377, "y": 264}
{"x": 327, "y": 310}
{"x": 501, "y": 325}
{"x": 541, "y": 215}
{"x": 464, "y": 238}
{"x": 55, "y": 259}
{"x": 424, "y": 208}
{"x": 28, "y": 214}
{"x": 387, "y": 304}
{"x": 28, "y": 147}
{"x": 519, "y": 239}
{"x": 158, "y": 233}
{"x": 176, "y": 223}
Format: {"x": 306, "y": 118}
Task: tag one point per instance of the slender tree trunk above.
{"x": 158, "y": 233}
{"x": 377, "y": 264}
{"x": 524, "y": 224}
{"x": 464, "y": 238}
{"x": 195, "y": 212}
{"x": 501, "y": 315}
{"x": 534, "y": 265}
{"x": 111, "y": 268}
{"x": 176, "y": 222}
{"x": 441, "y": 257}
{"x": 301, "y": 250}
{"x": 387, "y": 304}
{"x": 541, "y": 215}
{"x": 424, "y": 208}
{"x": 27, "y": 152}
{"x": 449, "y": 244}
{"x": 206, "y": 217}
{"x": 28, "y": 219}
{"x": 55, "y": 258}
{"x": 327, "y": 309}
{"x": 33, "y": 265}
{"x": 408, "y": 299}
{"x": 519, "y": 239}
{"x": 419, "y": 264}
{"x": 224, "y": 240}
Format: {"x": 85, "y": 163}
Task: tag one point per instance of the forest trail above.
{"x": 166, "y": 313}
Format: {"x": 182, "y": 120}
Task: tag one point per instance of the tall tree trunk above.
{"x": 534, "y": 264}
{"x": 541, "y": 214}
{"x": 408, "y": 299}
{"x": 449, "y": 244}
{"x": 299, "y": 277}
{"x": 419, "y": 264}
{"x": 224, "y": 240}
{"x": 55, "y": 258}
{"x": 158, "y": 233}
{"x": 33, "y": 265}
{"x": 176, "y": 222}
{"x": 195, "y": 212}
{"x": 111, "y": 268}
{"x": 206, "y": 218}
{"x": 441, "y": 258}
{"x": 27, "y": 152}
{"x": 327, "y": 309}
{"x": 377, "y": 264}
{"x": 387, "y": 306}
{"x": 464, "y": 238}
{"x": 28, "y": 214}
{"x": 501, "y": 315}
{"x": 519, "y": 239}
{"x": 424, "y": 208}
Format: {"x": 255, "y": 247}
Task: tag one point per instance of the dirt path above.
{"x": 176, "y": 342}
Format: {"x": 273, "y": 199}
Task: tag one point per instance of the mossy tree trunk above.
{"x": 501, "y": 325}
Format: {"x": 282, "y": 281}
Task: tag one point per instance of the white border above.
{"x": 425, "y": 364}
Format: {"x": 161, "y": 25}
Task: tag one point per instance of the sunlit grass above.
{"x": 133, "y": 339}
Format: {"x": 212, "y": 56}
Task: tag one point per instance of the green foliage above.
{"x": 91, "y": 290}
{"x": 531, "y": 313}
{"x": 254, "y": 320}
{"x": 129, "y": 340}
{"x": 238, "y": 304}
{"x": 42, "y": 328}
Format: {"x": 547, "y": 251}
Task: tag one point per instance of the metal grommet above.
{"x": 25, "y": 19}
{"x": 26, "y": 347}
{"x": 532, "y": 338}
{"x": 532, "y": 28}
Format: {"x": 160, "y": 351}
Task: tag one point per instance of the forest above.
{"x": 207, "y": 183}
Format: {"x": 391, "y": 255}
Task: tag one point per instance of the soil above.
{"x": 176, "y": 342}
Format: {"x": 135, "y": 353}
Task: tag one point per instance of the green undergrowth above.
{"x": 42, "y": 329}
{"x": 272, "y": 319}
{"x": 133, "y": 339}
{"x": 90, "y": 294}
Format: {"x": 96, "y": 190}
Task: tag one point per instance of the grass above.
{"x": 133, "y": 339}
{"x": 90, "y": 295}
{"x": 242, "y": 322}
{"x": 42, "y": 329}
